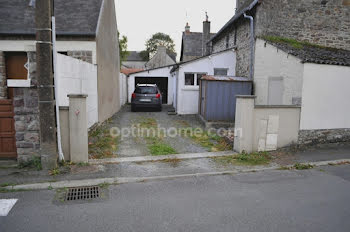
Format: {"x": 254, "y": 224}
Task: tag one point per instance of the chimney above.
{"x": 206, "y": 36}
{"x": 187, "y": 29}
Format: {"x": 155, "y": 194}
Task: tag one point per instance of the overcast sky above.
{"x": 140, "y": 19}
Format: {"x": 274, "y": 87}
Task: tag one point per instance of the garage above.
{"x": 161, "y": 82}
{"x": 159, "y": 76}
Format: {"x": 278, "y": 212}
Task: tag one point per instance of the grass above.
{"x": 212, "y": 142}
{"x": 55, "y": 172}
{"x": 6, "y": 184}
{"x": 35, "y": 162}
{"x": 155, "y": 142}
{"x": 252, "y": 159}
{"x": 101, "y": 143}
{"x": 299, "y": 166}
{"x": 294, "y": 43}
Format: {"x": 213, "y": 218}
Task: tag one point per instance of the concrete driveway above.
{"x": 139, "y": 145}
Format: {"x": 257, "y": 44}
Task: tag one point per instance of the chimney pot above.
{"x": 187, "y": 28}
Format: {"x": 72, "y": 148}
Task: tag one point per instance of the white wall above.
{"x": 264, "y": 128}
{"x": 159, "y": 72}
{"x": 61, "y": 46}
{"x": 271, "y": 62}
{"x": 187, "y": 96}
{"x": 77, "y": 77}
{"x": 123, "y": 89}
{"x": 326, "y": 97}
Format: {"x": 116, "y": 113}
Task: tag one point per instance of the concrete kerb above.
{"x": 163, "y": 157}
{"x": 125, "y": 180}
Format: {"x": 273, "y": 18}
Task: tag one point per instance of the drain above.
{"x": 83, "y": 193}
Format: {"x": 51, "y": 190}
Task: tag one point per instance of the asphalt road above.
{"x": 311, "y": 200}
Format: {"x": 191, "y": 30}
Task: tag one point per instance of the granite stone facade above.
{"x": 3, "y": 89}
{"x": 322, "y": 22}
{"x": 312, "y": 137}
{"x": 26, "y": 108}
{"x": 81, "y": 55}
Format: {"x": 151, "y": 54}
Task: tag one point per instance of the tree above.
{"x": 123, "y": 48}
{"x": 159, "y": 39}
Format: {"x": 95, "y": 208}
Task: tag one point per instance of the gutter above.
{"x": 251, "y": 69}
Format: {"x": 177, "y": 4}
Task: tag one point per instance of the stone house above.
{"x": 163, "y": 57}
{"x": 194, "y": 44}
{"x": 283, "y": 46}
{"x": 134, "y": 61}
{"x": 89, "y": 34}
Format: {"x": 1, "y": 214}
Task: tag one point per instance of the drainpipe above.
{"x": 251, "y": 71}
{"x": 59, "y": 142}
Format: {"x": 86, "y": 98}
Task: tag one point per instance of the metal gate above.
{"x": 8, "y": 148}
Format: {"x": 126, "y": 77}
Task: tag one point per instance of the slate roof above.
{"x": 315, "y": 54}
{"x": 73, "y": 17}
{"x": 192, "y": 44}
{"x": 134, "y": 56}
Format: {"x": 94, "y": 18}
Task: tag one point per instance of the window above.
{"x": 16, "y": 65}
{"x": 199, "y": 76}
{"x": 189, "y": 79}
{"x": 220, "y": 71}
{"x": 193, "y": 78}
{"x": 146, "y": 90}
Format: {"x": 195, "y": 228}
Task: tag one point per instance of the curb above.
{"x": 163, "y": 157}
{"x": 125, "y": 180}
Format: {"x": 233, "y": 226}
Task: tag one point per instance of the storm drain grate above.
{"x": 83, "y": 193}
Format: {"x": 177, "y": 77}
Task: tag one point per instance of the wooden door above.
{"x": 8, "y": 148}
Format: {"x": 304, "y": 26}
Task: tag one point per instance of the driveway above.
{"x": 144, "y": 145}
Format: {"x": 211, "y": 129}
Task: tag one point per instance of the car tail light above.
{"x": 158, "y": 95}
{"x": 133, "y": 95}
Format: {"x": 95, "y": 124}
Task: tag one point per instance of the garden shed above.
{"x": 217, "y": 101}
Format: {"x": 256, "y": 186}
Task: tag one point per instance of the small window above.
{"x": 199, "y": 76}
{"x": 189, "y": 79}
{"x": 220, "y": 71}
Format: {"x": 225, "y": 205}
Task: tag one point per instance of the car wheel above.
{"x": 133, "y": 108}
{"x": 160, "y": 108}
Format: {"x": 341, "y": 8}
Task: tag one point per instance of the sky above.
{"x": 140, "y": 19}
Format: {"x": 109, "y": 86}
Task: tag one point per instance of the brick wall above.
{"x": 81, "y": 55}
{"x": 3, "y": 89}
{"x": 26, "y": 117}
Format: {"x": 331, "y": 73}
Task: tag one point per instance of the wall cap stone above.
{"x": 77, "y": 95}
{"x": 245, "y": 96}
{"x": 277, "y": 106}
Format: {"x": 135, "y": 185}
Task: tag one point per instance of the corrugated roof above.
{"x": 128, "y": 71}
{"x": 224, "y": 78}
{"x": 73, "y": 17}
{"x": 309, "y": 53}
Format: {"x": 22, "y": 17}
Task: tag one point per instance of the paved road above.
{"x": 311, "y": 200}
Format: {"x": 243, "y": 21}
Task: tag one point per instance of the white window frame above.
{"x": 196, "y": 84}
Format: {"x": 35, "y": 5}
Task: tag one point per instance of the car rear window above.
{"x": 146, "y": 90}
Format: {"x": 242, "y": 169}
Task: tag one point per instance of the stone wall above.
{"x": 26, "y": 108}
{"x": 3, "y": 89}
{"x": 312, "y": 137}
{"x": 323, "y": 22}
{"x": 81, "y": 55}
{"x": 242, "y": 43}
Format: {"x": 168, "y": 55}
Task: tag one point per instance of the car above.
{"x": 146, "y": 96}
